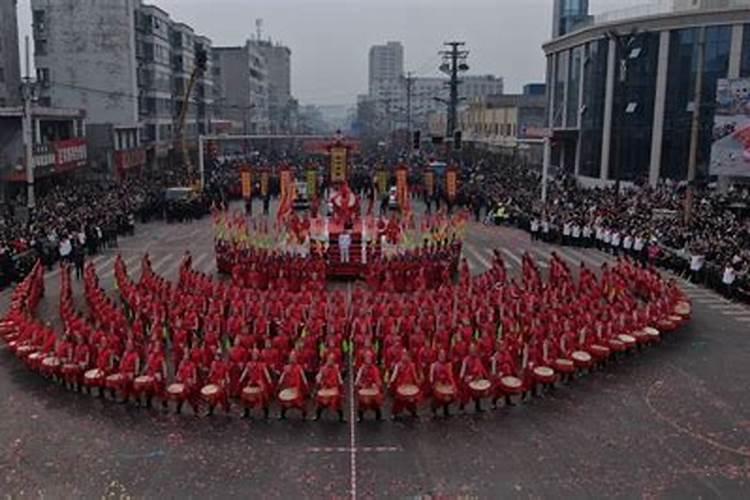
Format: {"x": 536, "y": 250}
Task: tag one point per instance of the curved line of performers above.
{"x": 486, "y": 337}
{"x": 425, "y": 268}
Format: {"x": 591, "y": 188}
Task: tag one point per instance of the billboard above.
{"x": 730, "y": 150}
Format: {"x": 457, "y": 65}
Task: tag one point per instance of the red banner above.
{"x": 339, "y": 160}
{"x": 402, "y": 188}
{"x": 451, "y": 182}
{"x": 429, "y": 182}
{"x": 70, "y": 154}
{"x": 246, "y": 179}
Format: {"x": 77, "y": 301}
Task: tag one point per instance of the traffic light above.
{"x": 417, "y": 140}
{"x": 457, "y": 140}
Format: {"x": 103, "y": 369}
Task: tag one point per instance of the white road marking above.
{"x": 159, "y": 263}
{"x": 198, "y": 260}
{"x": 513, "y": 257}
{"x": 479, "y": 258}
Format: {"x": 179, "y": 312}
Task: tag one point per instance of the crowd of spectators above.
{"x": 712, "y": 246}
{"x": 75, "y": 217}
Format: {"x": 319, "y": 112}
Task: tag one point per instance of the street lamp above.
{"x": 28, "y": 94}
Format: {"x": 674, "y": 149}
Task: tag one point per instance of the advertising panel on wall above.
{"x": 730, "y": 151}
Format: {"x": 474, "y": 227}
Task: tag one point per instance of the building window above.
{"x": 745, "y": 57}
{"x": 559, "y": 103}
{"x": 2, "y": 75}
{"x": 683, "y": 61}
{"x": 39, "y": 20}
{"x": 592, "y": 121}
{"x": 574, "y": 86}
{"x": 42, "y": 75}
{"x": 633, "y": 109}
{"x": 40, "y": 47}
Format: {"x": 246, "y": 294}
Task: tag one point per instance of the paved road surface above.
{"x": 673, "y": 422}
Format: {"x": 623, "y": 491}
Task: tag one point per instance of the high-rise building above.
{"x": 567, "y": 14}
{"x": 634, "y": 125}
{"x": 128, "y": 67}
{"x": 279, "y": 82}
{"x": 241, "y": 80}
{"x": 10, "y": 68}
{"x": 386, "y": 65}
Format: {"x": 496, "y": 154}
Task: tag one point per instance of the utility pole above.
{"x": 409, "y": 84}
{"x": 454, "y": 63}
{"x": 28, "y": 93}
{"x": 695, "y": 126}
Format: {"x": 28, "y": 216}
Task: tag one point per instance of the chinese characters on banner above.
{"x": 264, "y": 179}
{"x": 312, "y": 183}
{"x": 382, "y": 180}
{"x": 246, "y": 177}
{"x": 338, "y": 163}
{"x": 429, "y": 182}
{"x": 451, "y": 182}
{"x": 402, "y": 188}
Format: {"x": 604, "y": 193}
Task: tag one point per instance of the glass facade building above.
{"x": 630, "y": 118}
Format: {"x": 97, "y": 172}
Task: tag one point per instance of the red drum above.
{"x": 252, "y": 395}
{"x": 408, "y": 392}
{"x": 35, "y": 360}
{"x": 115, "y": 381}
{"x": 617, "y": 345}
{"x": 628, "y": 340}
{"x": 544, "y": 374}
{"x": 677, "y": 320}
{"x": 71, "y": 370}
{"x": 25, "y": 350}
{"x": 143, "y": 384}
{"x": 13, "y": 346}
{"x": 652, "y": 333}
{"x": 511, "y": 385}
{"x": 666, "y": 325}
{"x": 290, "y": 397}
{"x": 444, "y": 393}
{"x": 565, "y": 365}
{"x": 177, "y": 391}
{"x": 327, "y": 396}
{"x": 640, "y": 337}
{"x": 50, "y": 365}
{"x": 581, "y": 359}
{"x": 94, "y": 377}
{"x": 370, "y": 397}
{"x": 599, "y": 351}
{"x": 480, "y": 388}
{"x": 211, "y": 393}
{"x": 683, "y": 309}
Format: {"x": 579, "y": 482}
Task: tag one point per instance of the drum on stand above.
{"x": 288, "y": 396}
{"x": 115, "y": 381}
{"x": 144, "y": 383}
{"x": 511, "y": 385}
{"x": 599, "y": 351}
{"x": 93, "y": 377}
{"x": 327, "y": 396}
{"x": 210, "y": 393}
{"x": 581, "y": 359}
{"x": 252, "y": 394}
{"x": 565, "y": 365}
{"x": 652, "y": 333}
{"x": 544, "y": 374}
{"x": 628, "y": 340}
{"x": 35, "y": 360}
{"x": 683, "y": 309}
{"x": 408, "y": 392}
{"x": 176, "y": 391}
{"x": 480, "y": 388}
{"x": 368, "y": 396}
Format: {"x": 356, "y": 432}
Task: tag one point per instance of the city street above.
{"x": 670, "y": 422}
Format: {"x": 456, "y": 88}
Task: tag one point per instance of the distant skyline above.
{"x": 330, "y": 39}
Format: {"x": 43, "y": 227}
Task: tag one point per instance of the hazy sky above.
{"x": 330, "y": 39}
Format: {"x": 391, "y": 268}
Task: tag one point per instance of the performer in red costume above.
{"x": 256, "y": 377}
{"x": 405, "y": 384}
{"x": 293, "y": 387}
{"x": 369, "y": 385}
{"x": 330, "y": 388}
{"x": 442, "y": 383}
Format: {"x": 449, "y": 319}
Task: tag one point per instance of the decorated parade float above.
{"x": 335, "y": 225}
